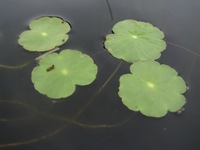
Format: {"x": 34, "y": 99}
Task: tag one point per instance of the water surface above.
{"x": 32, "y": 121}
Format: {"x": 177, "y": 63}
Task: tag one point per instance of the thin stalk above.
{"x": 70, "y": 121}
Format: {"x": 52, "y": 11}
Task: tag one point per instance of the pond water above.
{"x": 94, "y": 116}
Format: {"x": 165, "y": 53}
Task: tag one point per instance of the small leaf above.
{"x": 152, "y": 89}
{"x": 58, "y": 74}
{"x": 45, "y": 34}
{"x": 135, "y": 41}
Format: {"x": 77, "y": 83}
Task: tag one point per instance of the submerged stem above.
{"x": 184, "y": 48}
{"x": 27, "y": 63}
{"x": 67, "y": 120}
{"x": 99, "y": 90}
{"x": 16, "y": 67}
{"x": 110, "y": 10}
{"x": 19, "y": 143}
{"x": 45, "y": 54}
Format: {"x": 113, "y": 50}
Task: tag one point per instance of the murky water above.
{"x": 94, "y": 117}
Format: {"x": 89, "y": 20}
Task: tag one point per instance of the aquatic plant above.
{"x": 45, "y": 34}
{"x": 65, "y": 70}
{"x": 146, "y": 81}
{"x": 135, "y": 41}
{"x": 152, "y": 88}
{"x": 58, "y": 74}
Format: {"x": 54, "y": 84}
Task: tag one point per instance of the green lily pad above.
{"x": 45, "y": 34}
{"x": 135, "y": 41}
{"x": 152, "y": 88}
{"x": 58, "y": 74}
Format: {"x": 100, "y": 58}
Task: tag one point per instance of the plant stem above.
{"x": 67, "y": 120}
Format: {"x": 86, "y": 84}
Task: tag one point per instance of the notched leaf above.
{"x": 58, "y": 74}
{"x": 152, "y": 88}
{"x": 45, "y": 34}
{"x": 135, "y": 41}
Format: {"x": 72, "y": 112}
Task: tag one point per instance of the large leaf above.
{"x": 58, "y": 74}
{"x": 45, "y": 34}
{"x": 135, "y": 41}
{"x": 152, "y": 89}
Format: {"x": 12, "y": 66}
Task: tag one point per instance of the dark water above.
{"x": 29, "y": 120}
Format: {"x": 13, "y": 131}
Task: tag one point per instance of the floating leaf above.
{"x": 152, "y": 89}
{"x": 58, "y": 74}
{"x": 46, "y": 33}
{"x": 135, "y": 41}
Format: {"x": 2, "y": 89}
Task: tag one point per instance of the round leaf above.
{"x": 45, "y": 34}
{"x": 152, "y": 89}
{"x": 58, "y": 74}
{"x": 135, "y": 41}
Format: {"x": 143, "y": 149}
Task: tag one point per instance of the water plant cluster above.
{"x": 150, "y": 87}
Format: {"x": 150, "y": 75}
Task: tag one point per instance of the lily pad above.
{"x": 135, "y": 41}
{"x": 58, "y": 74}
{"x": 45, "y": 34}
{"x": 152, "y": 88}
